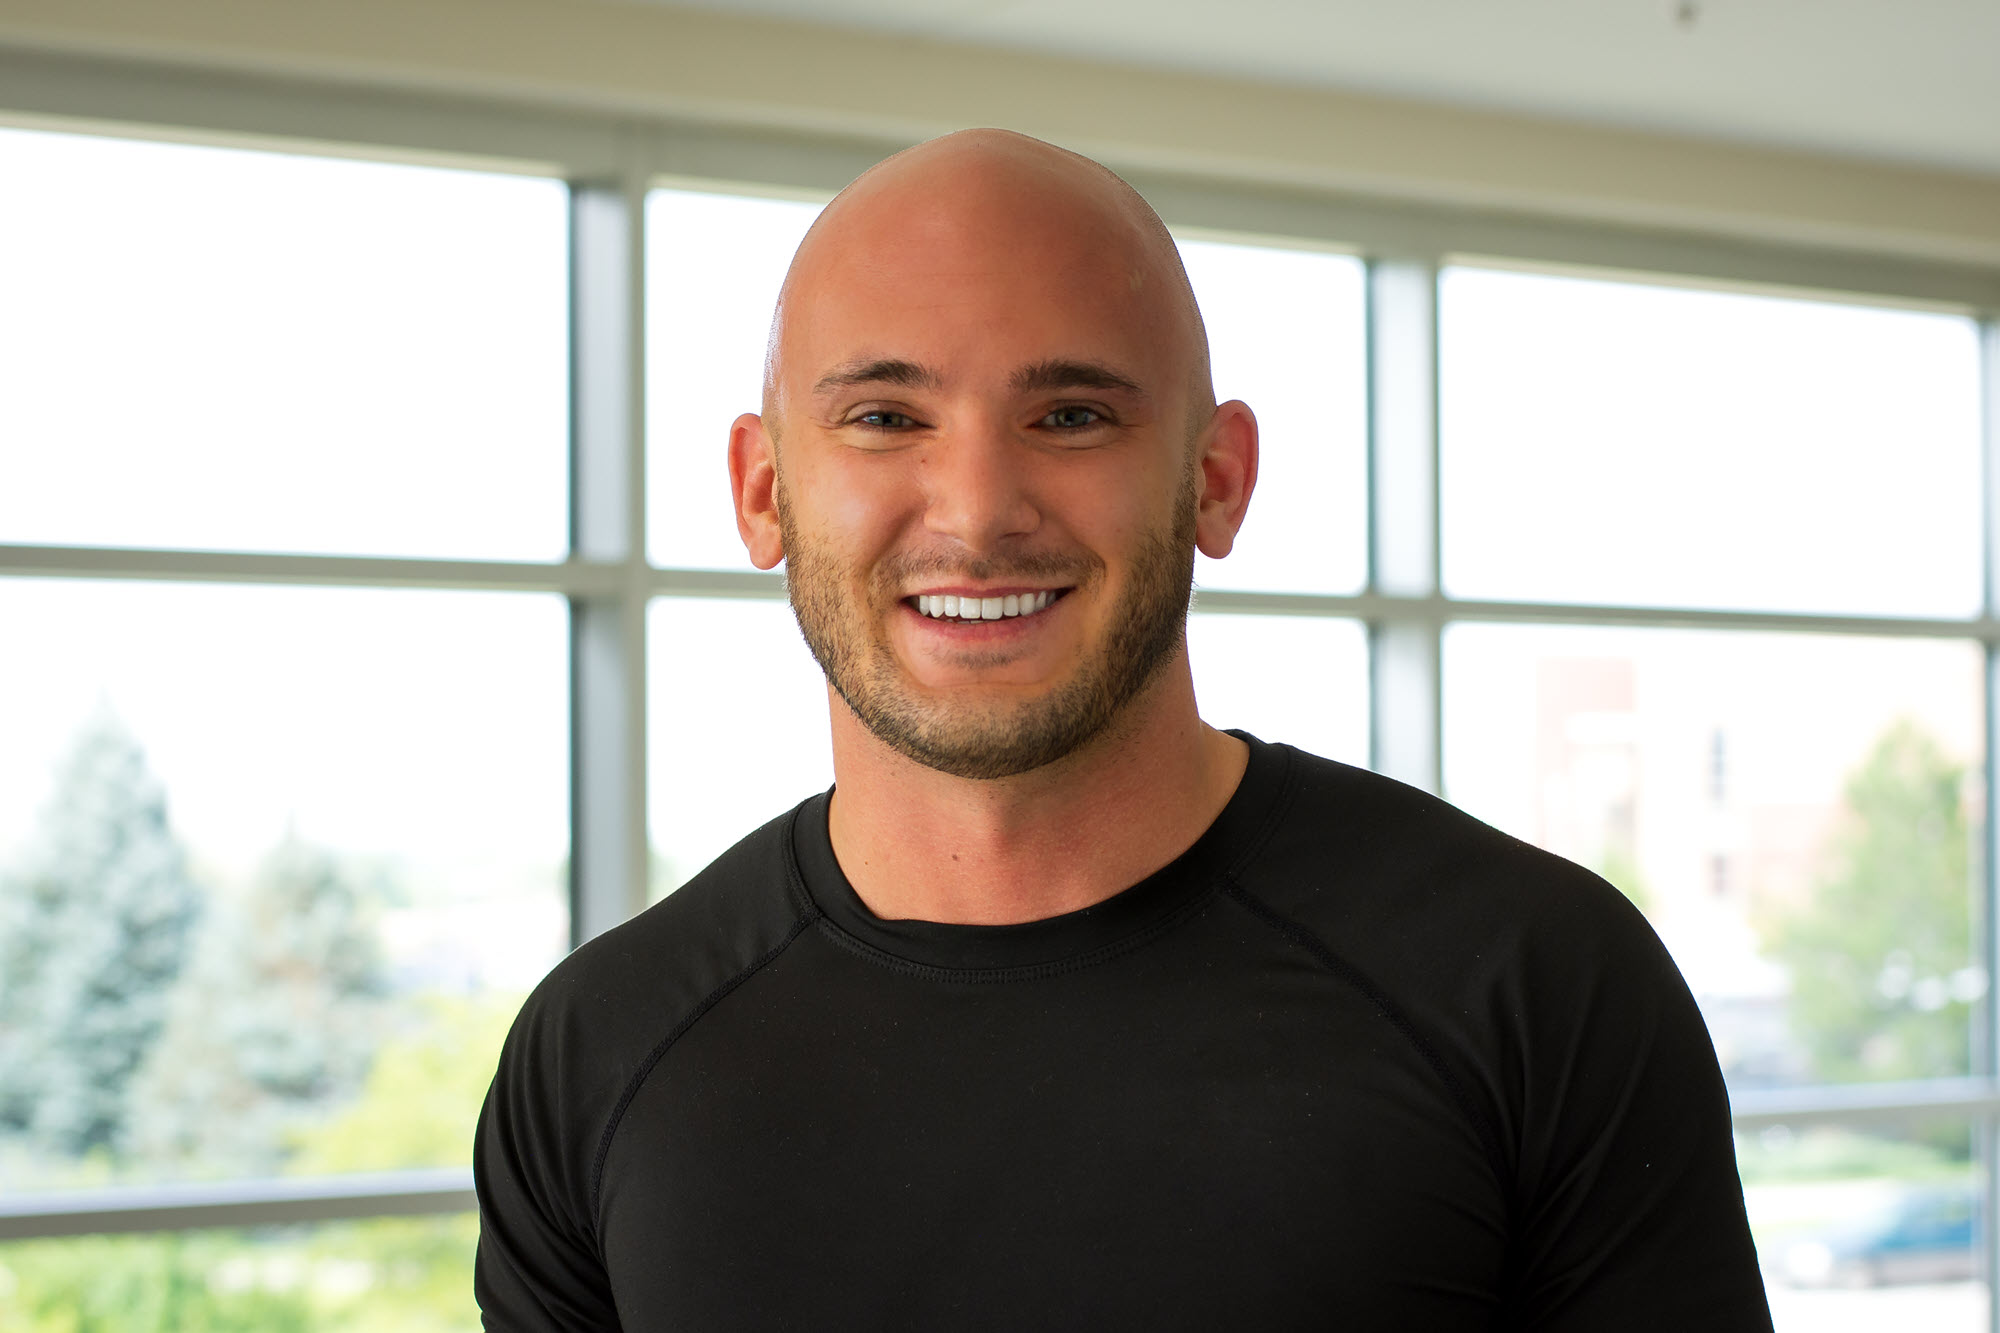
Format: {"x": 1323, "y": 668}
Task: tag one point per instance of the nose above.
{"x": 979, "y": 486}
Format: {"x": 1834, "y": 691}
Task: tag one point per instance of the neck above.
{"x": 920, "y": 844}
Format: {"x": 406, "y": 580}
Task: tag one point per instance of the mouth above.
{"x": 967, "y": 610}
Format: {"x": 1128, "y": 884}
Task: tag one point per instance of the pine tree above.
{"x": 277, "y": 1022}
{"x": 95, "y": 925}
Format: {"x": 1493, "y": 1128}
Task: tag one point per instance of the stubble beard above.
{"x": 993, "y": 740}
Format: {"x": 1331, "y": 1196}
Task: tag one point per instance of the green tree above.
{"x": 95, "y": 926}
{"x": 1883, "y": 975}
{"x": 175, "y": 1282}
{"x": 276, "y": 1022}
{"x": 423, "y": 1093}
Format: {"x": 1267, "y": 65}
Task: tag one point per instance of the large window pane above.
{"x": 1798, "y": 815}
{"x": 1298, "y": 679}
{"x": 1287, "y": 333}
{"x": 205, "y": 347}
{"x": 737, "y": 710}
{"x": 1614, "y": 442}
{"x": 276, "y": 867}
{"x": 713, "y": 269}
{"x": 1866, "y": 1229}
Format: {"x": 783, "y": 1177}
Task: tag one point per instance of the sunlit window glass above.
{"x": 738, "y": 727}
{"x": 277, "y": 865}
{"x": 715, "y": 264}
{"x": 1871, "y": 1226}
{"x": 1618, "y": 442}
{"x": 1799, "y": 817}
{"x": 1287, "y": 334}
{"x": 1302, "y": 680}
{"x": 213, "y": 348}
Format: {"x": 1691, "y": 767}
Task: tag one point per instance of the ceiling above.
{"x": 1913, "y": 81}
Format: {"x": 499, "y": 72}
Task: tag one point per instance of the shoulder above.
{"x": 1547, "y": 1003}
{"x": 617, "y": 995}
{"x": 1414, "y": 880}
{"x": 599, "y": 1020}
{"x": 1530, "y": 981}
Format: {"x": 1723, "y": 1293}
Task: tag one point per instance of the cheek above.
{"x": 856, "y": 511}
{"x": 1118, "y": 510}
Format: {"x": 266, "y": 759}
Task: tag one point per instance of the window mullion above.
{"x": 608, "y": 632}
{"x": 1986, "y": 1056}
{"x": 1406, "y": 695}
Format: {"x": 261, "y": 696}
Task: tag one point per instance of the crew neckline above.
{"x": 1235, "y": 833}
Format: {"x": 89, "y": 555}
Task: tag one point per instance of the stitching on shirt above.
{"x": 1274, "y": 818}
{"x": 1021, "y": 971}
{"x": 653, "y": 1058}
{"x": 795, "y": 878}
{"x": 1305, "y": 939}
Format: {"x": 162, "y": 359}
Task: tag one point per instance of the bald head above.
{"x": 942, "y": 220}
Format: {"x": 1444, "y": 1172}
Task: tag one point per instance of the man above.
{"x": 1062, "y": 1009}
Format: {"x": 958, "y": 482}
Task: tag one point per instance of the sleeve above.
{"x": 1629, "y": 1208}
{"x": 538, "y": 1265}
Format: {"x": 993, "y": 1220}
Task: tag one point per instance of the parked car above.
{"x": 1924, "y": 1234}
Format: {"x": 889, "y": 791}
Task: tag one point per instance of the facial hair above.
{"x": 993, "y": 740}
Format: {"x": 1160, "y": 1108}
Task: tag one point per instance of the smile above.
{"x": 949, "y": 606}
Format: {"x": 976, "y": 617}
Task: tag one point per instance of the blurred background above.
{"x": 373, "y": 626}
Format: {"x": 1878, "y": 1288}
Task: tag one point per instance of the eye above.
{"x": 882, "y": 418}
{"x": 1072, "y": 418}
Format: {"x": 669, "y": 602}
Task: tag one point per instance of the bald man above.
{"x": 1063, "y": 1009}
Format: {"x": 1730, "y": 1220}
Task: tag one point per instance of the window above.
{"x": 1663, "y": 446}
{"x": 279, "y": 353}
{"x": 281, "y": 849}
{"x": 1801, "y": 815}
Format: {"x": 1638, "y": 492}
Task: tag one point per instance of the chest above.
{"x": 1194, "y": 1138}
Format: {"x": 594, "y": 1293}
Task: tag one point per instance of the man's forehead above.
{"x": 934, "y": 327}
{"x": 984, "y": 251}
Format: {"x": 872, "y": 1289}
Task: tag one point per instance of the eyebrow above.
{"x": 885, "y": 371}
{"x": 1040, "y": 377}
{"x": 1048, "y": 376}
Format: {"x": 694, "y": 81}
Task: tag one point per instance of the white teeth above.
{"x": 950, "y": 606}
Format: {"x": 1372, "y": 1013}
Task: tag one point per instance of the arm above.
{"x": 538, "y": 1266}
{"x": 1630, "y": 1210}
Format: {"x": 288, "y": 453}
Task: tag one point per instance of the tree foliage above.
{"x": 1884, "y": 978}
{"x": 95, "y": 926}
{"x": 276, "y": 1022}
{"x": 422, "y": 1095}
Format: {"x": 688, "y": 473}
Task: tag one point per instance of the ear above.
{"x": 1228, "y": 474}
{"x": 753, "y": 483}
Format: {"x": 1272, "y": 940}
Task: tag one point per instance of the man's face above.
{"x": 981, "y": 416}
